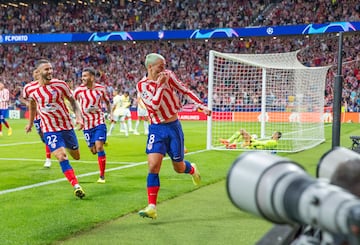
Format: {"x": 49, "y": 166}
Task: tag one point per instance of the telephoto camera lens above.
{"x": 279, "y": 190}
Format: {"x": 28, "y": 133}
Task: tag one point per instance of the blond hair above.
{"x": 152, "y": 58}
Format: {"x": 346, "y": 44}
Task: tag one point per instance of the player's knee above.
{"x": 93, "y": 150}
{"x": 178, "y": 171}
{"x": 179, "y": 168}
{"x": 75, "y": 155}
{"x": 99, "y": 149}
{"x": 60, "y": 155}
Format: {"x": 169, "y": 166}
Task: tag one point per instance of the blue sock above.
{"x": 65, "y": 165}
{"x": 187, "y": 167}
{"x": 101, "y": 153}
{"x": 153, "y": 180}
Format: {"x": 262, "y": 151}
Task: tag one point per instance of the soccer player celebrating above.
{"x": 26, "y": 91}
{"x": 4, "y": 107}
{"x": 47, "y": 97}
{"x": 159, "y": 91}
{"x": 90, "y": 96}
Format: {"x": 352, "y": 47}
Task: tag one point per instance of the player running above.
{"x": 47, "y": 97}
{"x": 26, "y": 91}
{"x": 90, "y": 96}
{"x": 159, "y": 91}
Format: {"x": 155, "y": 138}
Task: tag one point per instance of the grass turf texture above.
{"x": 51, "y": 214}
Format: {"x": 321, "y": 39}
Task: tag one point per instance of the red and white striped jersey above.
{"x": 50, "y": 101}
{"x": 27, "y": 90}
{"x": 162, "y": 100}
{"x": 4, "y": 99}
{"x": 91, "y": 100}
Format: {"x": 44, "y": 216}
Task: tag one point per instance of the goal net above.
{"x": 264, "y": 93}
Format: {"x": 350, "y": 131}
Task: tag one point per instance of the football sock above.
{"x": 102, "y": 162}
{"x": 153, "y": 186}
{"x": 188, "y": 168}
{"x": 129, "y": 124}
{"x": 137, "y": 125}
{"x": 68, "y": 172}
{"x": 112, "y": 125}
{"x": 47, "y": 152}
{"x": 146, "y": 126}
{"x": 125, "y": 127}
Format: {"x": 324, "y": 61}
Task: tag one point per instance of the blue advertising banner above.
{"x": 306, "y": 29}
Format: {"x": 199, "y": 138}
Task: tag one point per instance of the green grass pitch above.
{"x": 38, "y": 205}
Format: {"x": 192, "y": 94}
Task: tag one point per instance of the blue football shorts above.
{"x": 38, "y": 128}
{"x": 37, "y": 125}
{"x": 64, "y": 138}
{"x": 95, "y": 134}
{"x": 166, "y": 138}
{"x": 3, "y": 113}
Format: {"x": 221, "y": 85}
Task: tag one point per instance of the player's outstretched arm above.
{"x": 32, "y": 112}
{"x": 78, "y": 116}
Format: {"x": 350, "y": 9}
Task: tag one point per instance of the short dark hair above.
{"x": 40, "y": 62}
{"x": 279, "y": 134}
{"x": 91, "y": 70}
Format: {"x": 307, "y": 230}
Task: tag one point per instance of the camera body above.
{"x": 279, "y": 190}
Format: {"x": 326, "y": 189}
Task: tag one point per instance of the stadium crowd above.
{"x": 120, "y": 64}
{"x": 105, "y": 16}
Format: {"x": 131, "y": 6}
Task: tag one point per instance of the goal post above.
{"x": 264, "y": 93}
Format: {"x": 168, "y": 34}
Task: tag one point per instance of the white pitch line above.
{"x": 79, "y": 176}
{"x": 64, "y": 179}
{"x": 72, "y": 161}
{"x": 20, "y": 143}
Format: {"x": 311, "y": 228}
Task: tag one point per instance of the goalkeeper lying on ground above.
{"x": 245, "y": 140}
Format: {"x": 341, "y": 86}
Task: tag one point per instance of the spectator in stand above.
{"x": 189, "y": 57}
{"x": 96, "y": 16}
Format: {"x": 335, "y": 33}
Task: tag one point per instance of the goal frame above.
{"x": 297, "y": 65}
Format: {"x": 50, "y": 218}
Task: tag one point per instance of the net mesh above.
{"x": 264, "y": 93}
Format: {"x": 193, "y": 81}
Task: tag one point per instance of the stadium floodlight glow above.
{"x": 13, "y": 5}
